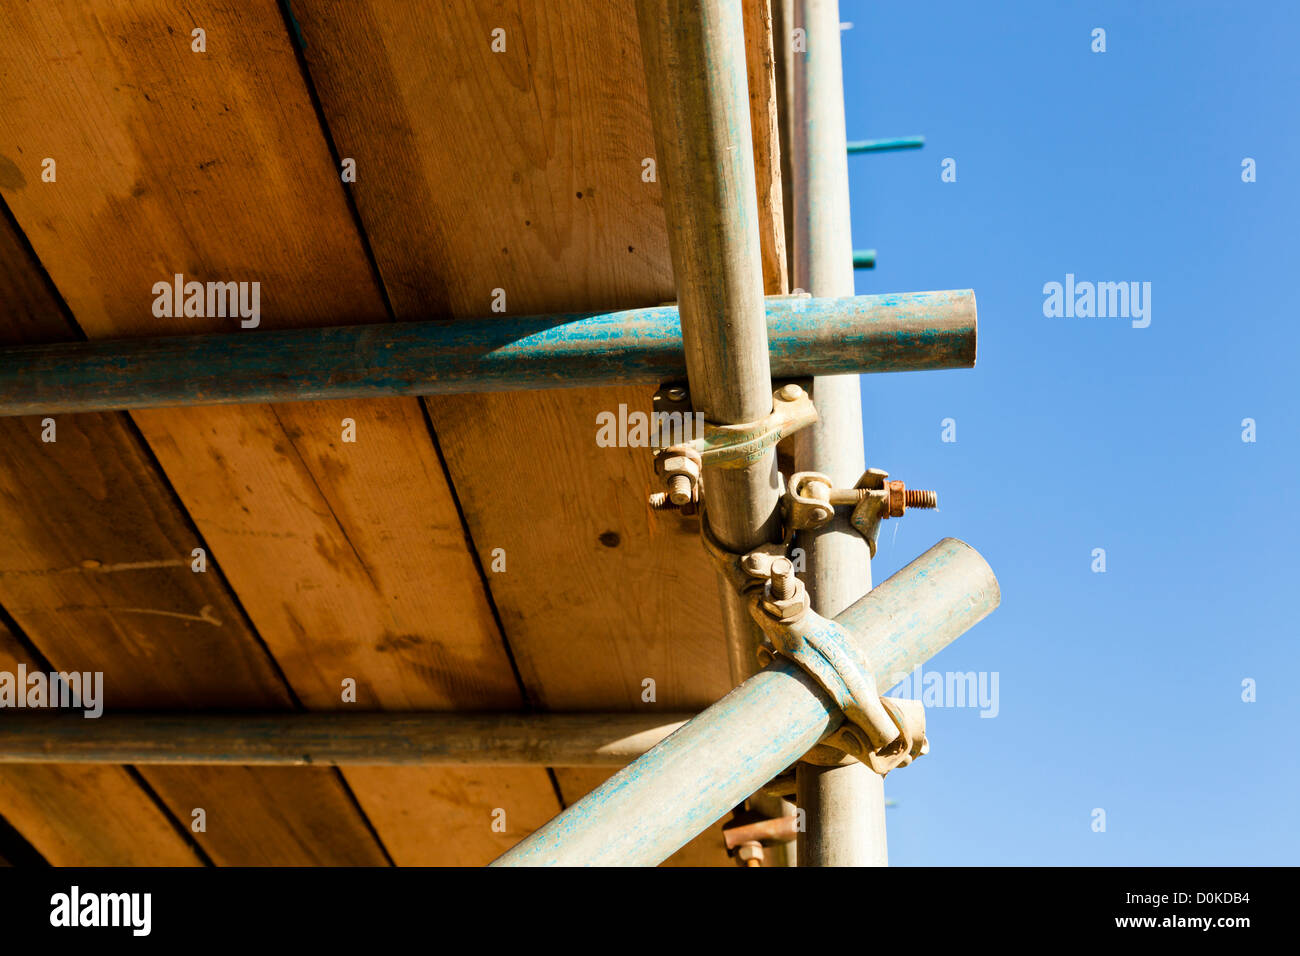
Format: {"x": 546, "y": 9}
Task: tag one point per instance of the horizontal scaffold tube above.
{"x": 341, "y": 739}
{"x": 655, "y": 805}
{"x": 914, "y": 331}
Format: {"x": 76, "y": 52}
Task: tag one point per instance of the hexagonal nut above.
{"x": 750, "y": 851}
{"x": 671, "y": 463}
{"x": 896, "y": 505}
{"x": 787, "y": 609}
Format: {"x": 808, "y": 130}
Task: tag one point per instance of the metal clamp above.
{"x": 737, "y": 446}
{"x": 746, "y": 573}
{"x": 908, "y": 716}
{"x": 884, "y": 733}
{"x": 724, "y": 446}
{"x": 810, "y": 500}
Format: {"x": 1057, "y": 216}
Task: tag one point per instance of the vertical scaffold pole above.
{"x": 844, "y": 806}
{"x": 694, "y": 52}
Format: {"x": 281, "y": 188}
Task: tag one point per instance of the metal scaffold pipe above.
{"x": 335, "y": 739}
{"x": 844, "y": 806}
{"x": 652, "y": 807}
{"x": 888, "y": 333}
{"x": 694, "y": 53}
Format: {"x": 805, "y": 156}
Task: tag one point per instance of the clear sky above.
{"x": 1119, "y": 690}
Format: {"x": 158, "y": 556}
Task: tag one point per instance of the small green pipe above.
{"x": 885, "y": 145}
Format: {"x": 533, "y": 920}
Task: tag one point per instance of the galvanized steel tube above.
{"x": 844, "y": 807}
{"x": 694, "y": 53}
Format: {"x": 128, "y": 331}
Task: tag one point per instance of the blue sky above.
{"x": 1119, "y": 690}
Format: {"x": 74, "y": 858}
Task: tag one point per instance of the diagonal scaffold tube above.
{"x": 655, "y": 805}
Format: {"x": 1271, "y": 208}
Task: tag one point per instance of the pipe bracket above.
{"x": 745, "y": 573}
{"x": 681, "y": 464}
{"x": 810, "y": 500}
{"x": 738, "y": 446}
{"x": 884, "y": 733}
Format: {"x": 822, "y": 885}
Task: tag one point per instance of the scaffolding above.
{"x": 811, "y": 643}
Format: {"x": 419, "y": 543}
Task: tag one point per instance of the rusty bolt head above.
{"x": 675, "y": 394}
{"x": 750, "y": 851}
{"x": 790, "y": 392}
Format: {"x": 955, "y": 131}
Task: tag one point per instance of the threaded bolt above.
{"x": 679, "y": 489}
{"x": 659, "y": 502}
{"x": 784, "y": 583}
{"x": 916, "y": 498}
{"x": 847, "y": 496}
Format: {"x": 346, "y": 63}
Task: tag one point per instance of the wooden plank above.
{"x": 96, "y": 568}
{"x": 760, "y": 66}
{"x": 527, "y": 167}
{"x": 213, "y": 165}
{"x": 637, "y": 598}
{"x": 352, "y": 562}
{"x": 82, "y": 815}
{"x": 96, "y": 816}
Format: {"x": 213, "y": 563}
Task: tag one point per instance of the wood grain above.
{"x": 96, "y": 568}
{"x": 80, "y": 815}
{"x": 213, "y": 165}
{"x": 528, "y": 175}
{"x": 760, "y": 66}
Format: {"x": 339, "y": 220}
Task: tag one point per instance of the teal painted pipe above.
{"x": 913, "y": 331}
{"x": 655, "y": 805}
{"x": 885, "y": 145}
{"x": 864, "y": 258}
